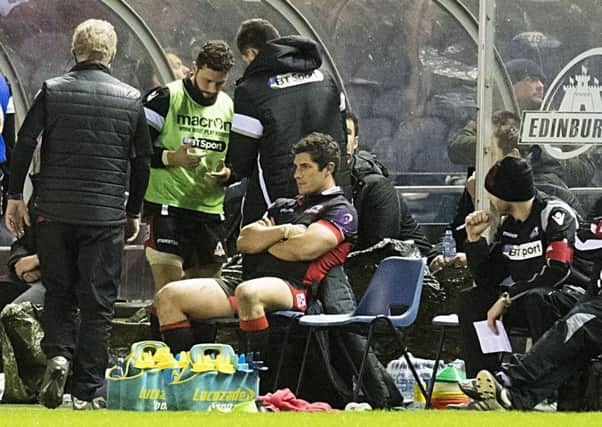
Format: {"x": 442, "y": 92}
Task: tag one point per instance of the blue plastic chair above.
{"x": 397, "y": 283}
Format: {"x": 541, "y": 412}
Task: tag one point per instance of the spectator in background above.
{"x": 91, "y": 156}
{"x": 382, "y": 211}
{"x": 528, "y": 264}
{"x": 189, "y": 122}
{"x": 527, "y": 86}
{"x": 505, "y": 137}
{"x": 297, "y": 242}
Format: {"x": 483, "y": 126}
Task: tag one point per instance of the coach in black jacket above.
{"x": 95, "y": 144}
{"x": 282, "y": 97}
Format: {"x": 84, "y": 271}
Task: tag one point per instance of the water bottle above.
{"x": 448, "y": 244}
{"x": 399, "y": 370}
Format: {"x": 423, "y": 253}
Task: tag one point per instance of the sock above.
{"x": 254, "y": 342}
{"x": 204, "y": 332}
{"x": 155, "y": 329}
{"x": 178, "y": 336}
{"x": 254, "y": 324}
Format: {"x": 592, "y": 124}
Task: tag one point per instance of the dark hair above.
{"x": 216, "y": 55}
{"x": 506, "y": 126}
{"x": 350, "y": 116}
{"x": 255, "y": 33}
{"x": 322, "y": 149}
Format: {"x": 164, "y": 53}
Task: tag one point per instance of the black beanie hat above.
{"x": 521, "y": 69}
{"x": 511, "y": 180}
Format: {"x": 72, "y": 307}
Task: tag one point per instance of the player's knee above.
{"x": 247, "y": 294}
{"x": 168, "y": 296}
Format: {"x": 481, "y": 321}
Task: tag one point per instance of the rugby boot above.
{"x": 85, "y": 405}
{"x": 490, "y": 390}
{"x": 53, "y": 383}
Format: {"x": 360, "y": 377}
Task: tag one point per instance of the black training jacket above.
{"x": 282, "y": 96}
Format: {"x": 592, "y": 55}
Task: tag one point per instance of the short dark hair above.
{"x": 506, "y": 126}
{"x": 350, "y": 116}
{"x": 322, "y": 149}
{"x": 255, "y": 33}
{"x": 216, "y": 55}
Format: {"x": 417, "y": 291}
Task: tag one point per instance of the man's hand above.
{"x": 26, "y": 264}
{"x": 439, "y": 263}
{"x": 476, "y": 223}
{"x": 31, "y": 276}
{"x": 132, "y": 228}
{"x": 181, "y": 157}
{"x": 495, "y": 313}
{"x": 16, "y": 217}
{"x": 220, "y": 175}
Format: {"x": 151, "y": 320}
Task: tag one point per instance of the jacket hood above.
{"x": 364, "y": 163}
{"x": 286, "y": 54}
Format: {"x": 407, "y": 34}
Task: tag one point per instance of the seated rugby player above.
{"x": 294, "y": 245}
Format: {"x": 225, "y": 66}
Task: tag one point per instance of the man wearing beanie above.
{"x": 524, "y": 273}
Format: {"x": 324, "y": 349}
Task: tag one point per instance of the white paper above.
{"x": 491, "y": 343}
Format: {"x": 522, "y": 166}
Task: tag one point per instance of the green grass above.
{"x": 28, "y": 415}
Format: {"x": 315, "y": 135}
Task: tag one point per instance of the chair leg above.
{"x": 429, "y": 394}
{"x": 302, "y": 370}
{"x": 414, "y": 373}
{"x": 360, "y": 376}
{"x": 283, "y": 351}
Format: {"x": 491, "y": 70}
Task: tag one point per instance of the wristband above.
{"x": 164, "y": 158}
{"x": 507, "y": 300}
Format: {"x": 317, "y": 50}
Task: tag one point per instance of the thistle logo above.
{"x": 577, "y": 119}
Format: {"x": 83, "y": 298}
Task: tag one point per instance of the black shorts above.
{"x": 196, "y": 237}
{"x": 229, "y": 285}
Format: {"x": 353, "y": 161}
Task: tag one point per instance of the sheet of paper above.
{"x": 491, "y": 343}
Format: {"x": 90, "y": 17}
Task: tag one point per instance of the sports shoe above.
{"x": 85, "y": 405}
{"x": 469, "y": 388}
{"x": 490, "y": 389}
{"x": 53, "y": 383}
{"x": 478, "y": 405}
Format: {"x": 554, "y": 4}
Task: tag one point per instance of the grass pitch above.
{"x": 30, "y": 415}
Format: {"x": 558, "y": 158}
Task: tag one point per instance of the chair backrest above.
{"x": 397, "y": 282}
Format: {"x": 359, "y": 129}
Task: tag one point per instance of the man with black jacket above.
{"x": 95, "y": 148}
{"x": 382, "y": 212}
{"x": 528, "y": 268}
{"x": 282, "y": 97}
{"x": 560, "y": 353}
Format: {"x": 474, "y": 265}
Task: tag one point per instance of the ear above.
{"x": 330, "y": 167}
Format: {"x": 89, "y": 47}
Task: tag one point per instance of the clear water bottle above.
{"x": 448, "y": 245}
{"x": 399, "y": 370}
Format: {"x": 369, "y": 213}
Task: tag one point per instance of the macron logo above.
{"x": 558, "y": 218}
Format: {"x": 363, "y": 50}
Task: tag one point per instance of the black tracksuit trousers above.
{"x": 537, "y": 310}
{"x": 558, "y": 355}
{"x": 81, "y": 269}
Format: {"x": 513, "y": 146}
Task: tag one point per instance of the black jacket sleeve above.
{"x": 245, "y": 135}
{"x": 156, "y": 107}
{"x": 140, "y": 154}
{"x": 486, "y": 263}
{"x": 379, "y": 213}
{"x": 32, "y": 127}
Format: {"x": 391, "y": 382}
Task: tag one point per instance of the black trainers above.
{"x": 492, "y": 392}
{"x": 53, "y": 383}
{"x": 469, "y": 388}
{"x": 85, "y": 405}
